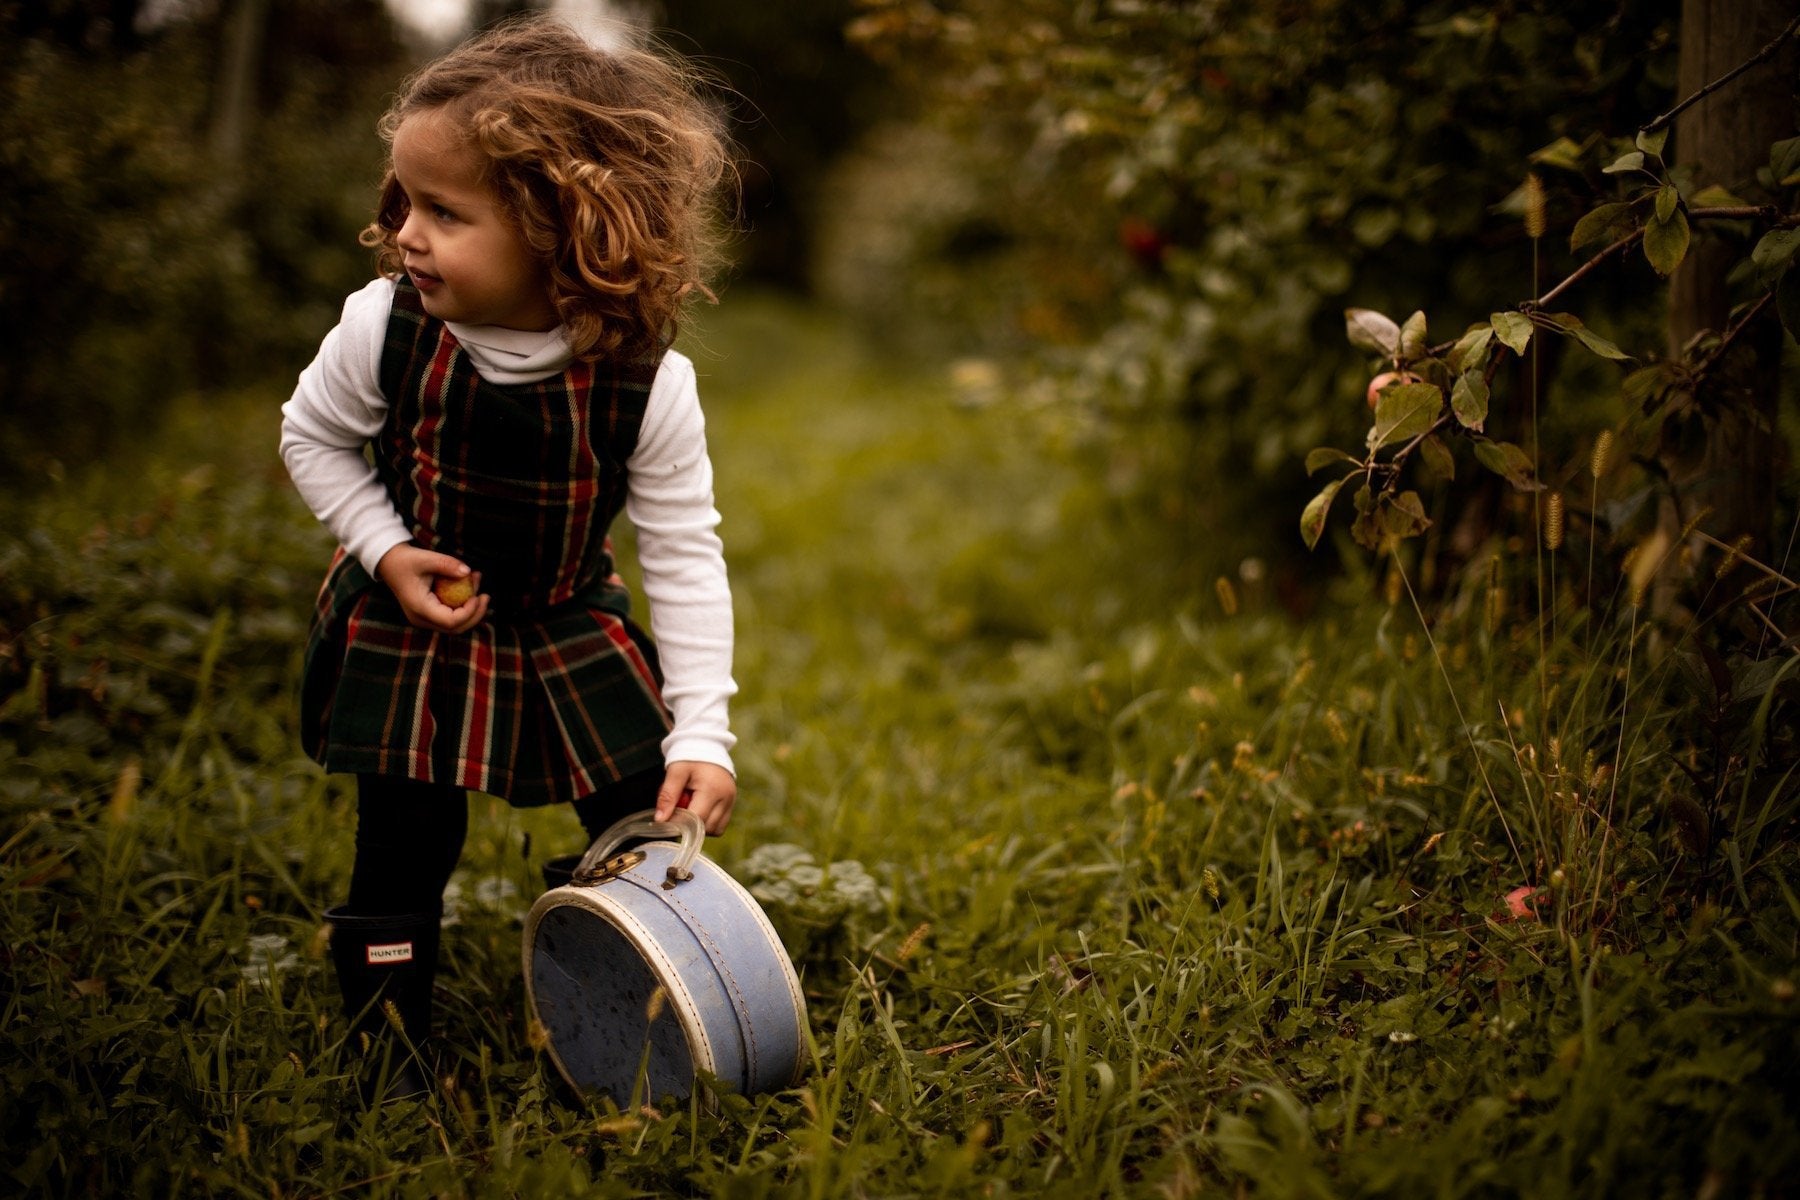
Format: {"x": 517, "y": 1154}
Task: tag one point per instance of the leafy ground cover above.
{"x": 1125, "y": 890}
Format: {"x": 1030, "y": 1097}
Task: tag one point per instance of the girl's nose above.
{"x": 408, "y": 238}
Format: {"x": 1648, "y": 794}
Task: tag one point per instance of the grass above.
{"x": 1170, "y": 903}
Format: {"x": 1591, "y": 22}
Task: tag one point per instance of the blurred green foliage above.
{"x": 1180, "y": 199}
{"x": 144, "y": 254}
{"x": 798, "y": 96}
{"x": 1430, "y": 398}
{"x": 162, "y": 231}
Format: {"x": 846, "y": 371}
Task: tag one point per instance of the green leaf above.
{"x": 1510, "y": 462}
{"x": 1608, "y": 223}
{"x": 1324, "y": 456}
{"x": 1784, "y": 161}
{"x": 1774, "y": 252}
{"x": 1666, "y": 200}
{"x": 1714, "y": 196}
{"x": 1633, "y": 161}
{"x": 1404, "y": 411}
{"x": 1312, "y": 520}
{"x": 1787, "y": 303}
{"x": 1666, "y": 241}
{"x": 1647, "y": 385}
{"x": 1469, "y": 399}
{"x": 1405, "y": 516}
{"x": 1563, "y": 152}
{"x": 1571, "y": 324}
{"x": 1471, "y": 349}
{"x": 1412, "y": 336}
{"x": 1652, "y": 143}
{"x": 1437, "y": 458}
{"x": 1370, "y": 330}
{"x": 1600, "y": 345}
{"x": 1366, "y": 529}
{"x": 1513, "y": 328}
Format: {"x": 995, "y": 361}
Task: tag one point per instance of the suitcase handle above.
{"x": 682, "y": 825}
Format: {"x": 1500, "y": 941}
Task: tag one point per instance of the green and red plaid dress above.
{"x": 557, "y": 693}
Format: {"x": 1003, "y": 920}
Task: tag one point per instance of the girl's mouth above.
{"x": 422, "y": 281}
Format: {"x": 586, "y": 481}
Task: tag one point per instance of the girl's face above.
{"x": 461, "y": 250}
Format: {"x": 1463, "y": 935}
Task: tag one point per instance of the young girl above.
{"x": 547, "y": 212}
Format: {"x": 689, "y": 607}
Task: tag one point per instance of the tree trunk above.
{"x": 234, "y": 100}
{"x": 1729, "y": 473}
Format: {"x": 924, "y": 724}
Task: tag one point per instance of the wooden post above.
{"x": 1730, "y": 472}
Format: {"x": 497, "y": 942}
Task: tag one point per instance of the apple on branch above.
{"x": 1387, "y": 379}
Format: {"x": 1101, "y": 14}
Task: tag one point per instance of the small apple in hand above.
{"x": 454, "y": 592}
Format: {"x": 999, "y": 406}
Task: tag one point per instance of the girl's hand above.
{"x": 410, "y": 572}
{"x": 706, "y": 789}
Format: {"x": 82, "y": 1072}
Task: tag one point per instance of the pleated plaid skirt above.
{"x": 557, "y": 693}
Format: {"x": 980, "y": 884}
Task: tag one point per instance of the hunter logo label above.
{"x": 396, "y": 952}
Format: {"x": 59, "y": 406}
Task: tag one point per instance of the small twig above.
{"x": 1737, "y": 212}
{"x": 1722, "y": 213}
{"x": 1764, "y": 567}
{"x": 1766, "y": 52}
{"x": 1740, "y": 212}
{"x": 1772, "y": 626}
{"x": 1585, "y": 269}
{"x": 1772, "y": 589}
{"x": 1731, "y": 335}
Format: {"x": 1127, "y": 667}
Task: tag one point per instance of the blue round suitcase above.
{"x": 652, "y": 965}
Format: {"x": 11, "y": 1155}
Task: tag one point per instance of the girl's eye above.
{"x": 442, "y": 213}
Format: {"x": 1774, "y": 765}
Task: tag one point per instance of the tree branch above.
{"x": 1391, "y": 468}
{"x": 1730, "y": 336}
{"x": 1585, "y": 269}
{"x": 1766, "y": 52}
{"x": 1741, "y": 212}
{"x": 1724, "y": 213}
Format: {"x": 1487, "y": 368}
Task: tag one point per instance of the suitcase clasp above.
{"x": 612, "y": 868}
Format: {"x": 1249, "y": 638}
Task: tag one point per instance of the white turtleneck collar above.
{"x": 509, "y": 356}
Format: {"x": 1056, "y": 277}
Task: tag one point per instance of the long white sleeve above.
{"x": 670, "y": 504}
{"x": 336, "y": 408}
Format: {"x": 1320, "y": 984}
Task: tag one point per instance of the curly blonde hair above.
{"x": 609, "y": 161}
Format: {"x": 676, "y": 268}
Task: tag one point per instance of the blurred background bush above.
{"x": 185, "y": 180}
{"x": 183, "y": 187}
{"x": 1169, "y": 205}
{"x": 1149, "y": 213}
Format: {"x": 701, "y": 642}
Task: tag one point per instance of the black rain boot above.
{"x": 383, "y": 961}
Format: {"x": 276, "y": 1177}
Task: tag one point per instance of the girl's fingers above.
{"x": 443, "y": 565}
{"x": 473, "y": 613}
{"x": 707, "y": 791}
{"x": 714, "y": 812}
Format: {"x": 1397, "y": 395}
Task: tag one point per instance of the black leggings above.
{"x": 410, "y": 834}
